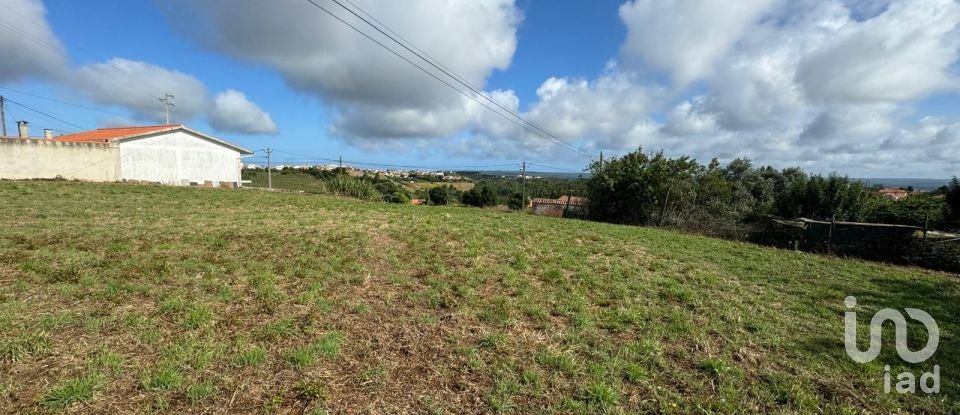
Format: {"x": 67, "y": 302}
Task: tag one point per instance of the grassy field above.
{"x": 286, "y": 181}
{"x": 143, "y": 299}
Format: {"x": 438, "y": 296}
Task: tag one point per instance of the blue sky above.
{"x": 866, "y": 88}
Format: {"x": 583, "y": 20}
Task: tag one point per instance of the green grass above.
{"x": 145, "y": 299}
{"x": 71, "y": 391}
{"x": 254, "y": 356}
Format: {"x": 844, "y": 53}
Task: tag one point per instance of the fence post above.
{"x": 833, "y": 220}
{"x": 926, "y": 224}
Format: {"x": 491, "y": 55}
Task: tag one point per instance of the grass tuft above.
{"x": 162, "y": 379}
{"x": 600, "y": 396}
{"x": 71, "y": 391}
{"x": 254, "y": 356}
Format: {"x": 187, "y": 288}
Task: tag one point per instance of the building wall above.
{"x": 46, "y": 159}
{"x": 548, "y": 210}
{"x": 178, "y": 158}
{"x": 558, "y": 210}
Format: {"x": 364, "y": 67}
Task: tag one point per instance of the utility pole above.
{"x": 601, "y": 161}
{"x": 340, "y": 170}
{"x": 3, "y": 116}
{"x": 167, "y": 104}
{"x": 269, "y": 168}
{"x": 523, "y": 187}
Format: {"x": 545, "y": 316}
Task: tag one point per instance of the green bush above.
{"x": 352, "y": 187}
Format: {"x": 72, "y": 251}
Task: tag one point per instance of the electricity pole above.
{"x": 523, "y": 187}
{"x": 601, "y": 162}
{"x": 3, "y": 117}
{"x": 269, "y": 151}
{"x": 167, "y": 104}
{"x": 340, "y": 170}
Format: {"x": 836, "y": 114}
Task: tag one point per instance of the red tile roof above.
{"x": 892, "y": 190}
{"x": 107, "y": 134}
{"x": 562, "y": 200}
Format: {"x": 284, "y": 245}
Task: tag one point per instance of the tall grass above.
{"x": 351, "y": 187}
{"x": 348, "y": 186}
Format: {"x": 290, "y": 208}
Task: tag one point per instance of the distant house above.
{"x": 560, "y": 207}
{"x": 894, "y": 193}
{"x": 164, "y": 154}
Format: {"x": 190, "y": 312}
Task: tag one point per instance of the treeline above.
{"x": 653, "y": 189}
{"x": 491, "y": 191}
{"x": 502, "y": 191}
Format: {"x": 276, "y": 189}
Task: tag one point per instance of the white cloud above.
{"x": 824, "y": 84}
{"x": 685, "y": 38}
{"x": 30, "y": 49}
{"x": 899, "y": 55}
{"x": 28, "y": 46}
{"x": 687, "y": 119}
{"x": 828, "y": 85}
{"x": 850, "y": 128}
{"x": 611, "y": 111}
{"x": 378, "y": 94}
{"x": 137, "y": 86}
{"x": 232, "y": 112}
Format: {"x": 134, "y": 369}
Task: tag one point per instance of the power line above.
{"x": 306, "y": 158}
{"x": 303, "y": 158}
{"x": 62, "y": 102}
{"x": 434, "y": 76}
{"x": 555, "y": 168}
{"x": 60, "y": 120}
{"x": 58, "y": 49}
{"x": 447, "y": 71}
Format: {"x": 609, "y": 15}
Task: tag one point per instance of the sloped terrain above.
{"x": 121, "y": 298}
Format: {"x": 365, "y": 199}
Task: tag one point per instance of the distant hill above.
{"x": 918, "y": 184}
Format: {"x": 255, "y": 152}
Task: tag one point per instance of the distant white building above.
{"x": 166, "y": 154}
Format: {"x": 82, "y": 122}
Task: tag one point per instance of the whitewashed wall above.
{"x": 178, "y": 158}
{"x": 47, "y": 159}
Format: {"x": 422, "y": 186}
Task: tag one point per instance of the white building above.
{"x": 168, "y": 154}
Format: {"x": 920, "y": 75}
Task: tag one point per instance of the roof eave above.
{"x": 239, "y": 149}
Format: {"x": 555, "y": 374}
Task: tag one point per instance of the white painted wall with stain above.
{"x": 178, "y": 158}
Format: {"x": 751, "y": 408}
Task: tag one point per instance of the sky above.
{"x": 865, "y": 88}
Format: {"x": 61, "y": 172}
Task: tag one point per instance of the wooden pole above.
{"x": 664, "y": 211}
{"x": 833, "y": 221}
{"x": 523, "y": 186}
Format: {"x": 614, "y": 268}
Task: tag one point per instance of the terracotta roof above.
{"x": 104, "y": 135}
{"x": 107, "y": 134}
{"x": 562, "y": 200}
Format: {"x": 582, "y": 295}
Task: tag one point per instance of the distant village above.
{"x": 445, "y": 175}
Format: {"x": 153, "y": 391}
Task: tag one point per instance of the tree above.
{"x": 953, "y": 198}
{"x": 443, "y": 195}
{"x": 914, "y": 211}
{"x": 640, "y": 188}
{"x": 481, "y": 195}
{"x": 516, "y": 202}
